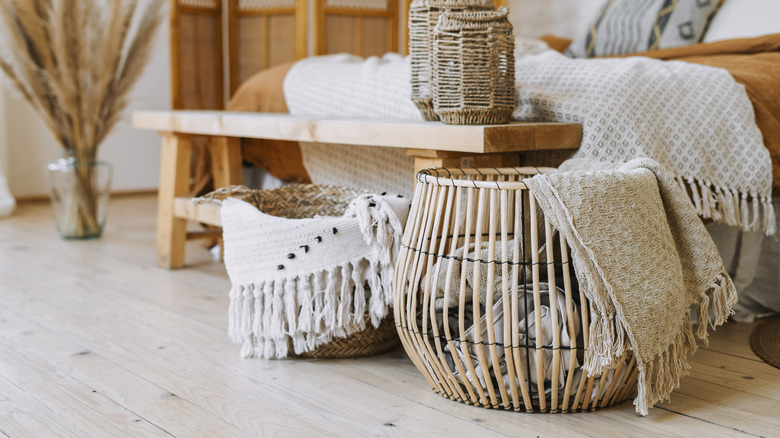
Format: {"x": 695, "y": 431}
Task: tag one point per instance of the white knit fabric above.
{"x": 371, "y": 168}
{"x": 301, "y": 282}
{"x": 694, "y": 120}
{"x": 349, "y": 86}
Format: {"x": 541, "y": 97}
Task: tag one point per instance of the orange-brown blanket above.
{"x": 753, "y": 62}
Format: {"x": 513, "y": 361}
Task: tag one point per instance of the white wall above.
{"x": 135, "y": 155}
{"x": 743, "y": 19}
{"x": 564, "y": 18}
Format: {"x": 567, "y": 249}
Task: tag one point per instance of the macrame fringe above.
{"x": 609, "y": 344}
{"x": 271, "y": 317}
{"x": 657, "y": 379}
{"x": 750, "y": 212}
{"x": 302, "y": 313}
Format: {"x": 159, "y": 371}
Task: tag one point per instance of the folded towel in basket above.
{"x": 643, "y": 258}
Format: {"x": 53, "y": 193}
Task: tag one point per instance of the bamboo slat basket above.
{"x": 474, "y": 67}
{"x": 475, "y": 249}
{"x": 423, "y": 16}
{"x": 302, "y": 201}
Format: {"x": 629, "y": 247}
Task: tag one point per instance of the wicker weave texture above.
{"x": 369, "y": 342}
{"x": 294, "y": 201}
{"x": 300, "y": 201}
{"x": 474, "y": 68}
{"x": 423, "y": 16}
{"x": 486, "y": 302}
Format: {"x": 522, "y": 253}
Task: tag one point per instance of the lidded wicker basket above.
{"x": 474, "y": 68}
{"x": 485, "y": 301}
{"x": 251, "y": 310}
{"x": 423, "y": 16}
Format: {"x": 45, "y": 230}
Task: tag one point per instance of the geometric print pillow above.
{"x": 630, "y": 26}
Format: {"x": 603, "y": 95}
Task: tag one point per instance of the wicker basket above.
{"x": 423, "y": 16}
{"x": 474, "y": 231}
{"x": 474, "y": 68}
{"x": 300, "y": 201}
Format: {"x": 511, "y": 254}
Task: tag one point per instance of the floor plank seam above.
{"x": 708, "y": 421}
{"x": 739, "y": 356}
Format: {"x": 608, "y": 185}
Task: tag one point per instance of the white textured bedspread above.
{"x": 694, "y": 120}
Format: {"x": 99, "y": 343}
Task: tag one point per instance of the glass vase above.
{"x": 79, "y": 192}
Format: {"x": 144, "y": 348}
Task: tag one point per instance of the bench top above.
{"x": 410, "y": 134}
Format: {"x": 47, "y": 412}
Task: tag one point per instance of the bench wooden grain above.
{"x": 431, "y": 144}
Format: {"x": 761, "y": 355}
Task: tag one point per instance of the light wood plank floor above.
{"x": 95, "y": 340}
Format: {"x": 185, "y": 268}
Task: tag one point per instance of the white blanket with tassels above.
{"x": 301, "y": 282}
{"x": 695, "y": 120}
{"x": 643, "y": 259}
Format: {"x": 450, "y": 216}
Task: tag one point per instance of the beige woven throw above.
{"x": 643, "y": 258}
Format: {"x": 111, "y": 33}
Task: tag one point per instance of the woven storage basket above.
{"x": 474, "y": 68}
{"x": 475, "y": 249}
{"x": 423, "y": 16}
{"x": 301, "y": 201}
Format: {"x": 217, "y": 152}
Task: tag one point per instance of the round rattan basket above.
{"x": 301, "y": 201}
{"x": 475, "y": 250}
{"x": 474, "y": 67}
{"x": 423, "y": 16}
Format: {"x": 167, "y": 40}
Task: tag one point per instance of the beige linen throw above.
{"x": 643, "y": 258}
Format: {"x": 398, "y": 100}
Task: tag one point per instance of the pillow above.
{"x": 629, "y": 26}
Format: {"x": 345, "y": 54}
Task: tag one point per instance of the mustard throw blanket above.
{"x": 643, "y": 259}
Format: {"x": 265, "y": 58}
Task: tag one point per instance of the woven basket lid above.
{"x": 455, "y": 4}
{"x": 474, "y": 20}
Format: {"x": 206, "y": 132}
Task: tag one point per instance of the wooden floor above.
{"x": 95, "y": 340}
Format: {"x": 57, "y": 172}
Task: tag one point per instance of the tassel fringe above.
{"x": 663, "y": 374}
{"x": 303, "y": 313}
{"x": 750, "y": 212}
{"x": 272, "y": 318}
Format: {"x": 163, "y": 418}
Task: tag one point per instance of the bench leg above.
{"x": 175, "y": 164}
{"x": 225, "y": 168}
{"x": 226, "y": 161}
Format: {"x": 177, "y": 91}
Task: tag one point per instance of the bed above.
{"x": 750, "y": 257}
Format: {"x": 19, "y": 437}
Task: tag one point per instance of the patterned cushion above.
{"x": 629, "y": 26}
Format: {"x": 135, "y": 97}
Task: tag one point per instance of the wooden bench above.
{"x": 432, "y": 144}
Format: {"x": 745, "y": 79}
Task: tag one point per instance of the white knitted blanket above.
{"x": 643, "y": 258}
{"x": 694, "y": 120}
{"x": 301, "y": 282}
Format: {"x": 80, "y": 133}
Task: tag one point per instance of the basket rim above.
{"x": 452, "y": 176}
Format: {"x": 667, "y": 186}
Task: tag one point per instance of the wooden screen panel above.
{"x": 264, "y": 33}
{"x": 196, "y": 54}
{"x": 375, "y": 37}
{"x": 264, "y": 41}
{"x": 363, "y": 27}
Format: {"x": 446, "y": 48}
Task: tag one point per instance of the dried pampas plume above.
{"x": 75, "y": 61}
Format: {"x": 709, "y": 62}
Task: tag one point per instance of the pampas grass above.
{"x": 76, "y": 61}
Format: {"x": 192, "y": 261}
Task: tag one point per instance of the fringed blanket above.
{"x": 643, "y": 258}
{"x": 693, "y": 119}
{"x": 300, "y": 282}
